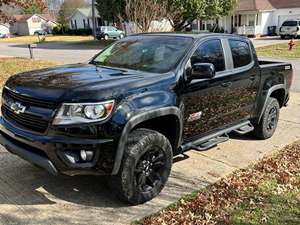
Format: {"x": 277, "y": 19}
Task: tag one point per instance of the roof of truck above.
{"x": 189, "y": 34}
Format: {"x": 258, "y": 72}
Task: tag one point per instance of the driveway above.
{"x": 29, "y": 195}
{"x": 265, "y": 41}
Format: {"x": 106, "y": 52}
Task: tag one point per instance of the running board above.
{"x": 211, "y": 143}
{"x": 214, "y": 139}
{"x": 245, "y": 129}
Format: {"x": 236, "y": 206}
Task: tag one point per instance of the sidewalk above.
{"x": 29, "y": 195}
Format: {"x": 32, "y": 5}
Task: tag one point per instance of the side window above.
{"x": 210, "y": 52}
{"x": 241, "y": 53}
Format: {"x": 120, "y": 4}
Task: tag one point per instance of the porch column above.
{"x": 233, "y": 22}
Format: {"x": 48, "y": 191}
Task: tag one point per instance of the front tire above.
{"x": 145, "y": 168}
{"x": 106, "y": 37}
{"x": 268, "y": 124}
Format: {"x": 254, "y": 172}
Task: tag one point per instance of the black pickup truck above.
{"x": 140, "y": 102}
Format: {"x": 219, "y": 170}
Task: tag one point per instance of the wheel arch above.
{"x": 278, "y": 92}
{"x": 151, "y": 120}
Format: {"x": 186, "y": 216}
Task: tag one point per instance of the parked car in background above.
{"x": 107, "y": 32}
{"x": 5, "y": 35}
{"x": 41, "y": 32}
{"x": 290, "y": 29}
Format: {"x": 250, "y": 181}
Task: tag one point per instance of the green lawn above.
{"x": 10, "y": 66}
{"x": 279, "y": 51}
{"x": 50, "y": 38}
{"x": 265, "y": 193}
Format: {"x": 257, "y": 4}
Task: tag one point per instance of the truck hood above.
{"x": 78, "y": 82}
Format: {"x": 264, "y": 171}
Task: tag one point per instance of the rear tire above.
{"x": 268, "y": 124}
{"x": 282, "y": 37}
{"x": 145, "y": 168}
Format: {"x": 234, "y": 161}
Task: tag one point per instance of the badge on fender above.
{"x": 194, "y": 116}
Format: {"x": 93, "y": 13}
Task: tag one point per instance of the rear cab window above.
{"x": 241, "y": 53}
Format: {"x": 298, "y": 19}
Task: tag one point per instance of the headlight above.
{"x": 76, "y": 113}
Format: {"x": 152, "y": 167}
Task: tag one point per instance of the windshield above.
{"x": 290, "y": 23}
{"x": 146, "y": 53}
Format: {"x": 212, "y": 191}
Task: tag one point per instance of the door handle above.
{"x": 226, "y": 84}
{"x": 252, "y": 77}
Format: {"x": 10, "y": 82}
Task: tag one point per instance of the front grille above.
{"x": 29, "y": 101}
{"x": 25, "y": 120}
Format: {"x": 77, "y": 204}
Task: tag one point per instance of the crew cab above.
{"x": 140, "y": 102}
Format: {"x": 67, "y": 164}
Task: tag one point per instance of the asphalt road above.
{"x": 52, "y": 51}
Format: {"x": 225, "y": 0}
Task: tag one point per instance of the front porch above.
{"x": 242, "y": 23}
{"x": 246, "y": 23}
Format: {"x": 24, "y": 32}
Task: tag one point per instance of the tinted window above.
{"x": 146, "y": 53}
{"x": 290, "y": 23}
{"x": 241, "y": 53}
{"x": 210, "y": 52}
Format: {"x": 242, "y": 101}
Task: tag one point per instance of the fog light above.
{"x": 86, "y": 155}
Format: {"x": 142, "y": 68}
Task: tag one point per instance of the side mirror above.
{"x": 202, "y": 71}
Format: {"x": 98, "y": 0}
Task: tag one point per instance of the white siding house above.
{"x": 81, "y": 18}
{"x": 28, "y": 24}
{"x": 4, "y": 28}
{"x": 253, "y": 17}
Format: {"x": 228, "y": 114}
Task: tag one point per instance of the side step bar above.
{"x": 214, "y": 139}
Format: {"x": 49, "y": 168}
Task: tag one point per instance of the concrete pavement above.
{"x": 29, "y": 195}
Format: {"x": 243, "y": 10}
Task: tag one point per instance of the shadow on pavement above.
{"x": 24, "y": 184}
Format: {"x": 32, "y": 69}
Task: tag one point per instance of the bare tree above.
{"x": 143, "y": 12}
{"x": 21, "y": 4}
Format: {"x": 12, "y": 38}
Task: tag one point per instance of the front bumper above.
{"x": 49, "y": 151}
{"x": 287, "y": 33}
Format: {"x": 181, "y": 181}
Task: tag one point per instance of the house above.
{"x": 81, "y": 18}
{"x": 4, "y": 28}
{"x": 28, "y": 24}
{"x": 253, "y": 17}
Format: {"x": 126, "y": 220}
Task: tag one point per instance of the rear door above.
{"x": 242, "y": 81}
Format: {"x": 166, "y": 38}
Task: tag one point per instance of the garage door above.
{"x": 283, "y": 18}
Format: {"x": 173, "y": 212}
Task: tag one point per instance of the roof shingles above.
{"x": 256, "y": 5}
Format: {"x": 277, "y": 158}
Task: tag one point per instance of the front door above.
{"x": 204, "y": 98}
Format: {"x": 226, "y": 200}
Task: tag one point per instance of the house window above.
{"x": 84, "y": 25}
{"x": 72, "y": 24}
{"x": 89, "y": 26}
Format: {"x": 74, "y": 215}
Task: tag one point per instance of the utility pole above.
{"x": 93, "y": 18}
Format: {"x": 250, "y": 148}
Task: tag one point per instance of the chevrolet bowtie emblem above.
{"x": 17, "y": 107}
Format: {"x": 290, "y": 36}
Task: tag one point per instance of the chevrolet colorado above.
{"x": 140, "y": 102}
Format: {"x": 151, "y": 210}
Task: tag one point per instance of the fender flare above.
{"x": 270, "y": 91}
{"x": 137, "y": 119}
